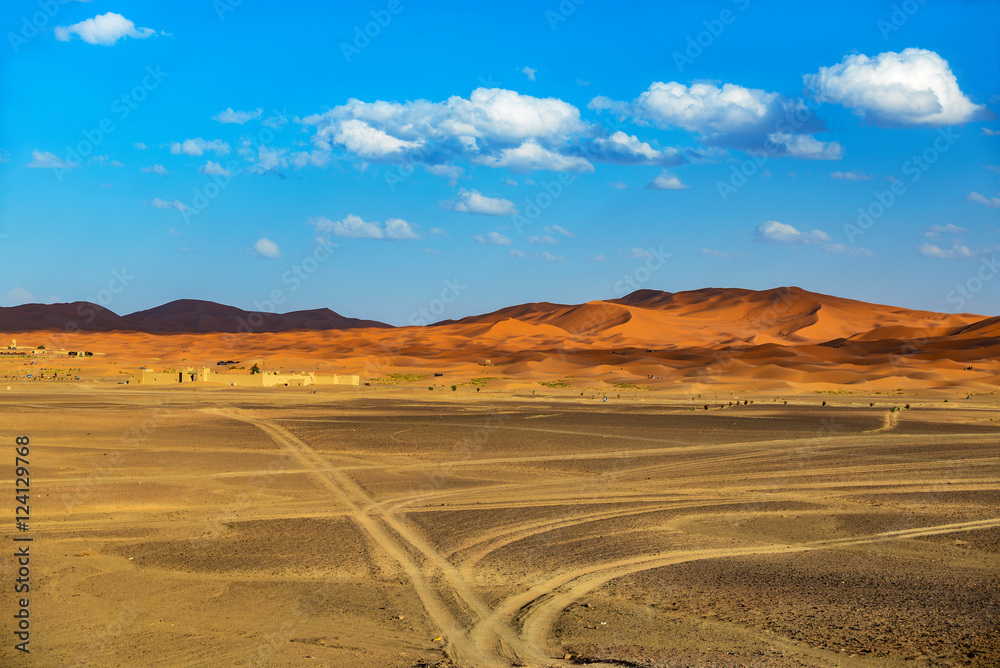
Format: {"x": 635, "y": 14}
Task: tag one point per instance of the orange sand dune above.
{"x": 781, "y": 338}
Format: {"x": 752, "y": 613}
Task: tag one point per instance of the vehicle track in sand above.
{"x": 535, "y": 611}
{"x": 499, "y": 648}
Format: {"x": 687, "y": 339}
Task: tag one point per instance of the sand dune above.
{"x": 786, "y": 337}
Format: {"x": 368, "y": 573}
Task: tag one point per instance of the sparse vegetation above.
{"x": 565, "y": 382}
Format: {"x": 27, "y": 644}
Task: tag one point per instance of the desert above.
{"x": 572, "y": 497}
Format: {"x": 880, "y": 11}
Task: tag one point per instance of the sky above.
{"x": 415, "y": 161}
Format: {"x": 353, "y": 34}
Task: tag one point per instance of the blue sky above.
{"x": 458, "y": 159}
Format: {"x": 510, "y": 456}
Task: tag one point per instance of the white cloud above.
{"x": 627, "y": 149}
{"x": 471, "y": 201}
{"x": 852, "y": 175}
{"x": 911, "y": 88}
{"x": 46, "y": 160}
{"x": 438, "y": 231}
{"x": 517, "y": 253}
{"x": 493, "y": 126}
{"x": 535, "y": 239}
{"x": 371, "y": 143}
{"x": 139, "y": 145}
{"x": 214, "y": 169}
{"x": 720, "y": 254}
{"x": 781, "y": 233}
{"x": 267, "y": 249}
{"x": 549, "y": 257}
{"x": 492, "y": 239}
{"x": 957, "y": 251}
{"x": 639, "y": 254}
{"x": 533, "y": 156}
{"x": 198, "y": 146}
{"x": 989, "y": 132}
{"x": 19, "y": 296}
{"x": 806, "y": 147}
{"x": 556, "y": 229}
{"x": 156, "y": 169}
{"x": 666, "y": 181}
{"x": 507, "y": 181}
{"x": 598, "y": 258}
{"x": 355, "y": 228}
{"x": 980, "y": 199}
{"x": 164, "y": 204}
{"x": 935, "y": 231}
{"x": 530, "y": 73}
{"x": 617, "y": 185}
{"x": 239, "y": 117}
{"x": 104, "y": 29}
{"x": 105, "y": 160}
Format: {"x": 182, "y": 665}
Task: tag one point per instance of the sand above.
{"x": 386, "y": 526}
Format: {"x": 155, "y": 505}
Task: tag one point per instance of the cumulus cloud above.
{"x": 556, "y": 229}
{"x": 238, "y": 117}
{"x": 852, "y": 175}
{"x": 164, "y": 204}
{"x": 19, "y": 296}
{"x": 914, "y": 87}
{"x": 354, "y": 227}
{"x": 520, "y": 254}
{"x": 267, "y": 249}
{"x": 957, "y": 251}
{"x": 935, "y": 231}
{"x": 981, "y": 199}
{"x": 639, "y": 254}
{"x": 806, "y": 147}
{"x": 492, "y": 127}
{"x": 547, "y": 239}
{"x": 214, "y": 169}
{"x": 598, "y": 258}
{"x": 46, "y": 160}
{"x": 156, "y": 169}
{"x": 617, "y": 185}
{"x": 627, "y": 149}
{"x": 492, "y": 239}
{"x": 549, "y": 257}
{"x": 730, "y": 115}
{"x": 199, "y": 146}
{"x": 471, "y": 201}
{"x": 103, "y": 29}
{"x": 530, "y": 73}
{"x": 531, "y": 156}
{"x": 666, "y": 181}
{"x": 781, "y": 233}
{"x": 989, "y": 132}
{"x": 720, "y": 254}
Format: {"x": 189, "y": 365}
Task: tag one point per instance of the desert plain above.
{"x": 814, "y": 493}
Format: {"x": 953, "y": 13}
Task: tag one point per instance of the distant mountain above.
{"x": 182, "y": 316}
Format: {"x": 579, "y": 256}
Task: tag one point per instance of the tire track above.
{"x": 537, "y": 609}
{"x": 364, "y": 509}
